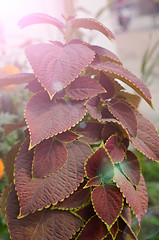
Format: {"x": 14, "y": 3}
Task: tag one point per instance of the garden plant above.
{"x": 75, "y": 176}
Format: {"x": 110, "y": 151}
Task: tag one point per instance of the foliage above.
{"x": 74, "y": 176}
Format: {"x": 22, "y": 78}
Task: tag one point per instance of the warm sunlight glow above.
{"x": 11, "y": 11}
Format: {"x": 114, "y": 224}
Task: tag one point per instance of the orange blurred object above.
{"x": 1, "y": 168}
{"x": 10, "y": 69}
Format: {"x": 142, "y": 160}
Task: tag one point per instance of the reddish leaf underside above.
{"x": 78, "y": 199}
{"x": 99, "y": 165}
{"x": 10, "y": 161}
{"x": 90, "y": 131}
{"x": 37, "y": 18}
{"x": 17, "y": 79}
{"x": 94, "y": 229}
{"x": 108, "y": 203}
{"x": 91, "y": 105}
{"x": 35, "y": 194}
{"x": 147, "y": 140}
{"x": 44, "y": 224}
{"x": 47, "y": 60}
{"x": 126, "y": 116}
{"x": 46, "y": 118}
{"x": 92, "y": 24}
{"x": 50, "y": 156}
{"x": 83, "y": 88}
{"x": 131, "y": 167}
{"x": 86, "y": 212}
{"x": 133, "y": 99}
{"x": 105, "y": 54}
{"x": 8, "y": 128}
{"x": 106, "y": 82}
{"x": 115, "y": 149}
{"x": 137, "y": 199}
{"x": 34, "y": 86}
{"x": 67, "y": 136}
{"x": 4, "y": 196}
{"x": 117, "y": 71}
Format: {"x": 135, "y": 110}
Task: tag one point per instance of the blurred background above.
{"x": 135, "y": 24}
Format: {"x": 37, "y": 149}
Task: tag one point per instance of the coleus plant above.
{"x": 75, "y": 175}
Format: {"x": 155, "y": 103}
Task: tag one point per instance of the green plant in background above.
{"x": 149, "y": 62}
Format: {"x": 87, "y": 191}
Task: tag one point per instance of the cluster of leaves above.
{"x": 74, "y": 176}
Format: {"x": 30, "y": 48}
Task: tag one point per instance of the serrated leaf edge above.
{"x": 108, "y": 226}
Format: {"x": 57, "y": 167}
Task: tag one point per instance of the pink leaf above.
{"x": 92, "y": 24}
{"x": 115, "y": 149}
{"x": 37, "y": 18}
{"x": 83, "y": 88}
{"x": 91, "y": 132}
{"x": 125, "y": 115}
{"x": 117, "y": 71}
{"x": 67, "y": 136}
{"x": 49, "y": 157}
{"x": 108, "y": 203}
{"x": 46, "y": 118}
{"x": 147, "y": 140}
{"x": 106, "y": 82}
{"x": 105, "y": 54}
{"x": 47, "y": 60}
{"x": 17, "y": 79}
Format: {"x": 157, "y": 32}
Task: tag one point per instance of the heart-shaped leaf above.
{"x": 137, "y": 199}
{"x": 99, "y": 165}
{"x": 117, "y": 71}
{"x": 16, "y": 79}
{"x": 50, "y": 156}
{"x": 108, "y": 203}
{"x": 92, "y": 24}
{"x": 47, "y": 118}
{"x": 37, "y": 18}
{"x": 83, "y": 88}
{"x": 94, "y": 229}
{"x": 125, "y": 115}
{"x": 131, "y": 167}
{"x": 35, "y": 194}
{"x": 147, "y": 140}
{"x": 45, "y": 224}
{"x": 47, "y": 60}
